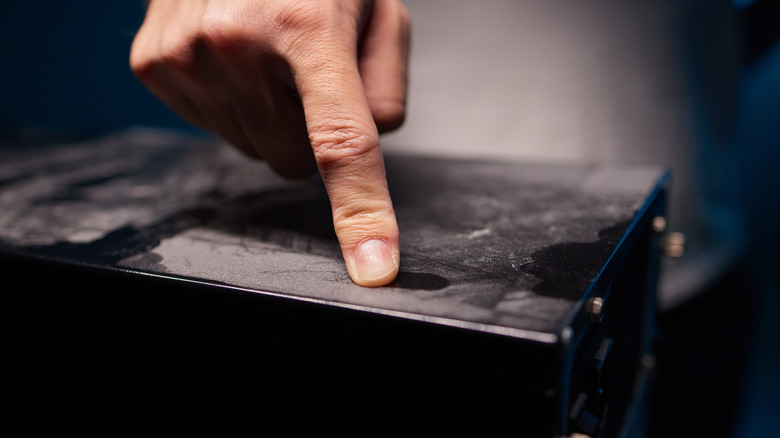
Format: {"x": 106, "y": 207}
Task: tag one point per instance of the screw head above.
{"x": 566, "y": 335}
{"x": 659, "y": 224}
{"x": 648, "y": 362}
{"x": 595, "y": 308}
{"x": 674, "y": 245}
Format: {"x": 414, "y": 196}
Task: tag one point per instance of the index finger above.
{"x": 345, "y": 142}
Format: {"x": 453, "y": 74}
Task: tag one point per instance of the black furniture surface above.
{"x": 150, "y": 263}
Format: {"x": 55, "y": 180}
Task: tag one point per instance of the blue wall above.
{"x": 64, "y": 66}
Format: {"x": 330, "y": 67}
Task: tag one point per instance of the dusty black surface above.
{"x": 499, "y": 244}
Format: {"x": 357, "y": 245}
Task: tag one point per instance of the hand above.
{"x": 297, "y": 83}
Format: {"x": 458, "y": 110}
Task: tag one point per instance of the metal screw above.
{"x": 566, "y": 335}
{"x": 673, "y": 245}
{"x": 659, "y": 224}
{"x": 595, "y": 308}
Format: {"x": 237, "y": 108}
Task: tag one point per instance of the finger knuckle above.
{"x": 299, "y": 24}
{"x": 140, "y": 61}
{"x": 183, "y": 50}
{"x": 361, "y": 216}
{"x": 300, "y": 16}
{"x": 335, "y": 146}
{"x": 174, "y": 52}
{"x": 222, "y": 32}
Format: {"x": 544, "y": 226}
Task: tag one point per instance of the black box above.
{"x": 157, "y": 265}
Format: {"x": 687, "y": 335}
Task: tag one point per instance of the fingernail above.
{"x": 375, "y": 263}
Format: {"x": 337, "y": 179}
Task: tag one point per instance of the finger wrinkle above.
{"x": 297, "y": 24}
{"x": 363, "y": 220}
{"x": 334, "y": 145}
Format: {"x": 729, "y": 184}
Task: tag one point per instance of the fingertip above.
{"x": 388, "y": 116}
{"x": 374, "y": 263}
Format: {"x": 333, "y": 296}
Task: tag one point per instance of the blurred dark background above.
{"x": 65, "y": 72}
{"x": 65, "y": 68}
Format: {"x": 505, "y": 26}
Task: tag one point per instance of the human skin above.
{"x": 299, "y": 84}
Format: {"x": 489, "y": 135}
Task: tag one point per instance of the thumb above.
{"x": 345, "y": 142}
